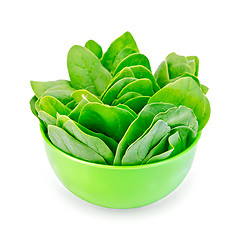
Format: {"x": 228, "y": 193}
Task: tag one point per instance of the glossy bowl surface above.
{"x": 119, "y": 186}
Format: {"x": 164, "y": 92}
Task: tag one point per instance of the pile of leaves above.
{"x": 115, "y": 111}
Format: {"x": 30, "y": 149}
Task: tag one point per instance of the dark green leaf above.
{"x": 109, "y": 120}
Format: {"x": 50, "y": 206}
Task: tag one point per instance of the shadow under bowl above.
{"x": 119, "y": 186}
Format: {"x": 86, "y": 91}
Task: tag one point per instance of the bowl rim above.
{"x": 150, "y": 165}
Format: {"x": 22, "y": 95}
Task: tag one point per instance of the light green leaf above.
{"x": 32, "y": 105}
{"x": 138, "y": 151}
{"x": 47, "y": 118}
{"x": 94, "y": 143}
{"x": 113, "y": 92}
{"x": 86, "y": 71}
{"x": 142, "y": 72}
{"x": 82, "y": 97}
{"x": 61, "y": 139}
{"x": 138, "y": 127}
{"x": 94, "y": 47}
{"x": 40, "y": 88}
{"x": 133, "y": 60}
{"x": 185, "y": 91}
{"x": 124, "y": 41}
{"x": 125, "y": 73}
{"x": 52, "y": 106}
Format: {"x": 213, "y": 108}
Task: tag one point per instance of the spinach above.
{"x": 81, "y": 97}
{"x": 134, "y": 59}
{"x": 91, "y": 141}
{"x": 138, "y": 127}
{"x": 126, "y": 72}
{"x": 137, "y": 103}
{"x": 60, "y": 89}
{"x": 86, "y": 71}
{"x": 174, "y": 66}
{"x": 61, "y": 139}
{"x": 47, "y": 118}
{"x": 113, "y": 92}
{"x": 61, "y": 119}
{"x": 116, "y": 48}
{"x": 52, "y": 106}
{"x": 139, "y": 150}
{"x": 109, "y": 120}
{"x": 125, "y": 107}
{"x": 142, "y": 72}
{"x": 94, "y": 48}
{"x": 127, "y": 96}
{"x": 161, "y": 125}
{"x": 122, "y": 55}
{"x": 185, "y": 91}
{"x": 32, "y": 105}
{"x": 115, "y": 111}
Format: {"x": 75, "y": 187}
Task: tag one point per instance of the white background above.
{"x": 35, "y": 39}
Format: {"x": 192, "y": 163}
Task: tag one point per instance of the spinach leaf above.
{"x": 52, "y": 106}
{"x": 93, "y": 142}
{"x": 137, "y": 103}
{"x": 133, "y": 60}
{"x": 174, "y": 66}
{"x": 122, "y": 54}
{"x": 138, "y": 127}
{"x": 126, "y": 72}
{"x": 72, "y": 104}
{"x": 39, "y": 88}
{"x": 141, "y": 86}
{"x": 137, "y": 152}
{"x": 152, "y": 137}
{"x": 47, "y": 118}
{"x": 206, "y": 114}
{"x": 204, "y": 89}
{"x": 86, "y": 71}
{"x": 32, "y": 105}
{"x": 82, "y": 97}
{"x": 160, "y": 150}
{"x": 176, "y": 116}
{"x": 195, "y": 60}
{"x": 124, "y": 41}
{"x": 112, "y": 144}
{"x": 109, "y": 120}
{"x": 60, "y": 89}
{"x": 126, "y": 88}
{"x": 113, "y": 92}
{"x": 142, "y": 72}
{"x": 185, "y": 91}
{"x": 127, "y": 96}
{"x": 79, "y": 95}
{"x": 125, "y": 107}
{"x": 61, "y": 119}
{"x": 94, "y": 47}
{"x": 61, "y": 139}
{"x": 179, "y": 139}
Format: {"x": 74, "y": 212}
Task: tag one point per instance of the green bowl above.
{"x": 119, "y": 186}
